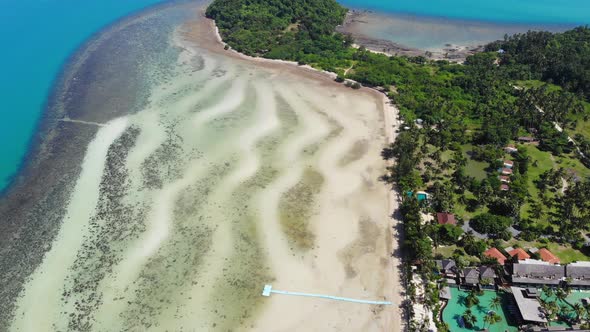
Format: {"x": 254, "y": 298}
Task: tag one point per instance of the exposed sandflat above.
{"x": 175, "y": 219}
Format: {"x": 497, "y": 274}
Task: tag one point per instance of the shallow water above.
{"x": 434, "y": 25}
{"x": 570, "y": 12}
{"x": 174, "y": 221}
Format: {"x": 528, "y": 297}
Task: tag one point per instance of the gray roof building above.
{"x": 471, "y": 276}
{"x": 487, "y": 272}
{"x": 578, "y": 273}
{"x": 532, "y": 271}
{"x": 445, "y": 293}
{"x": 446, "y": 265}
{"x": 528, "y": 306}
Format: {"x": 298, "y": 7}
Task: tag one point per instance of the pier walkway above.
{"x": 268, "y": 290}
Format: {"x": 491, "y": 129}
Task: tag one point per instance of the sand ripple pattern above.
{"x": 175, "y": 222}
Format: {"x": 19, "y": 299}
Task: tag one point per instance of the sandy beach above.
{"x": 379, "y": 272}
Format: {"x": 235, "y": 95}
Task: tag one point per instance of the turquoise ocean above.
{"x": 38, "y": 36}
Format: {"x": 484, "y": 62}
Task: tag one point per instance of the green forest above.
{"x": 529, "y": 91}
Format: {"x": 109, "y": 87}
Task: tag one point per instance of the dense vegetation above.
{"x": 458, "y": 118}
{"x": 559, "y": 58}
{"x": 299, "y": 30}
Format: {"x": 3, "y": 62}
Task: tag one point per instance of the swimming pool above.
{"x": 456, "y": 307}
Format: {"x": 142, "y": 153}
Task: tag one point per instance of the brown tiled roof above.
{"x": 495, "y": 253}
{"x": 520, "y": 253}
{"x": 506, "y": 170}
{"x": 504, "y": 187}
{"x": 446, "y": 218}
{"x": 548, "y": 256}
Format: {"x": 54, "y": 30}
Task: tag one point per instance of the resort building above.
{"x": 506, "y": 171}
{"x": 445, "y": 218}
{"x": 504, "y": 179}
{"x": 528, "y": 306}
{"x": 578, "y": 274}
{"x": 487, "y": 276}
{"x": 510, "y": 149}
{"x": 532, "y": 273}
{"x": 447, "y": 268}
{"x": 508, "y": 163}
{"x": 548, "y": 256}
{"x": 504, "y": 187}
{"x": 470, "y": 277}
{"x": 527, "y": 139}
{"x": 518, "y": 252}
{"x": 495, "y": 253}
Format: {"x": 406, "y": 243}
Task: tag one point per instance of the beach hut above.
{"x": 445, "y": 218}
{"x": 506, "y": 171}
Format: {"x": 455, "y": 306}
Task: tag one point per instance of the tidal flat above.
{"x": 167, "y": 212}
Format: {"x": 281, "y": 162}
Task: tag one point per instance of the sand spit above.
{"x": 174, "y": 221}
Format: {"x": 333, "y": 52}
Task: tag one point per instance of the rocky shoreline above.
{"x": 355, "y": 18}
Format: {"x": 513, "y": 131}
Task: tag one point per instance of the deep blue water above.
{"x": 37, "y": 37}
{"x": 558, "y": 12}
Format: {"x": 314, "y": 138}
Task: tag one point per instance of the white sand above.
{"x": 38, "y": 306}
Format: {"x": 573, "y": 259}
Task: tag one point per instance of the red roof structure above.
{"x": 505, "y": 178}
{"x": 506, "y": 171}
{"x": 548, "y": 256}
{"x": 445, "y": 218}
{"x": 504, "y": 187}
{"x": 495, "y": 253}
{"x": 508, "y": 163}
{"x": 520, "y": 253}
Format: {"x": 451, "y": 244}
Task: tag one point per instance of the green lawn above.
{"x": 582, "y": 127}
{"x": 445, "y": 251}
{"x": 537, "y": 84}
{"x": 474, "y": 168}
{"x": 570, "y": 162}
{"x": 541, "y": 161}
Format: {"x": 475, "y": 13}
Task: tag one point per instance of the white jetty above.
{"x": 268, "y": 290}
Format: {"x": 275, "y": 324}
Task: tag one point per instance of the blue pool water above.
{"x": 499, "y": 11}
{"x": 37, "y": 36}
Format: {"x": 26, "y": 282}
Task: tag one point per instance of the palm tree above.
{"x": 547, "y": 291}
{"x": 580, "y": 312}
{"x": 562, "y": 294}
{"x": 496, "y": 302}
{"x": 472, "y": 299}
{"x": 488, "y": 319}
{"x": 492, "y": 318}
{"x": 469, "y": 318}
